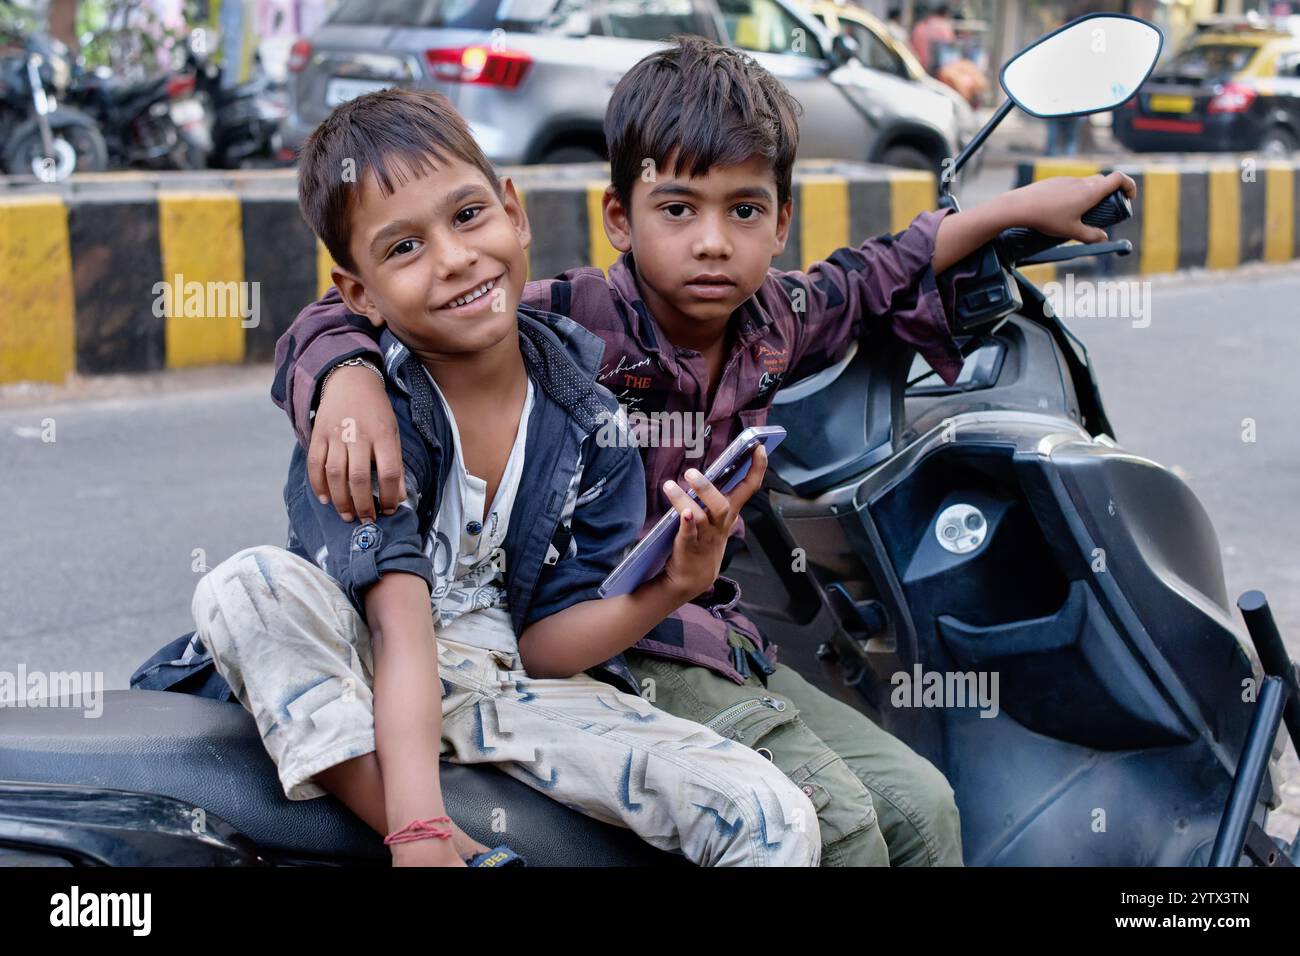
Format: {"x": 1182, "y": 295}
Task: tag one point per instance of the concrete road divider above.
{"x": 1204, "y": 211}
{"x": 118, "y": 273}
{"x": 139, "y": 272}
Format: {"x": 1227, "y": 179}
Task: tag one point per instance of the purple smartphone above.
{"x": 651, "y": 553}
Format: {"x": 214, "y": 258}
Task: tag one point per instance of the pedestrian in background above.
{"x": 1063, "y": 135}
{"x": 931, "y": 34}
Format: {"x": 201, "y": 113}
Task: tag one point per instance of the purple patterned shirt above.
{"x": 795, "y": 324}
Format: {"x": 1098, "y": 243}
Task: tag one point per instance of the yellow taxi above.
{"x": 1229, "y": 89}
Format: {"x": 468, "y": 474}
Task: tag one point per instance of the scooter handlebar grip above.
{"x": 1111, "y": 211}
{"x": 1022, "y": 242}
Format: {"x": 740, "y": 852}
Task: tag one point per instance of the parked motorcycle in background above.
{"x": 160, "y": 123}
{"x": 246, "y": 117}
{"x": 38, "y": 137}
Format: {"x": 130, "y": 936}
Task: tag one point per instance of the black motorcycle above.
{"x": 913, "y": 537}
{"x": 246, "y": 117}
{"x": 158, "y": 123}
{"x": 38, "y": 136}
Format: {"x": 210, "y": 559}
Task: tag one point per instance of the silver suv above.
{"x": 533, "y": 77}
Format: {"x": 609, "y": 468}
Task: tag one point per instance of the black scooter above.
{"x": 988, "y": 541}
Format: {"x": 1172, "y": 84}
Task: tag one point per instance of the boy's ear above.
{"x": 618, "y": 224}
{"x": 515, "y": 211}
{"x": 783, "y": 217}
{"x": 353, "y": 291}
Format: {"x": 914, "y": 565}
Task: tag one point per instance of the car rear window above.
{"x": 1213, "y": 59}
{"x": 463, "y": 14}
{"x": 765, "y": 27}
{"x": 641, "y": 20}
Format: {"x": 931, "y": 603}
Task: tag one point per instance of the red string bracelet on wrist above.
{"x": 420, "y": 830}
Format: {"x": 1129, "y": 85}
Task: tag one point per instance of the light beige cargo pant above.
{"x": 297, "y": 655}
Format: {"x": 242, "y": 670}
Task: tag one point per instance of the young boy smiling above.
{"x": 463, "y": 621}
{"x": 695, "y": 321}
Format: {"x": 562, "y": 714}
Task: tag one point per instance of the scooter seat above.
{"x": 208, "y": 753}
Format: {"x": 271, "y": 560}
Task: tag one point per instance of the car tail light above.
{"x": 479, "y": 64}
{"x": 1233, "y": 98}
{"x": 299, "y": 54}
{"x": 1168, "y": 125}
{"x": 182, "y": 84}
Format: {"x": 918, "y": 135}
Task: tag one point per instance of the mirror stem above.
{"x": 945, "y": 182}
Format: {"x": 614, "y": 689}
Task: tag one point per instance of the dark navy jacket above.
{"x": 577, "y": 512}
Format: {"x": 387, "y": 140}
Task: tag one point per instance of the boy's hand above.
{"x": 354, "y": 426}
{"x": 1055, "y": 206}
{"x": 702, "y": 536}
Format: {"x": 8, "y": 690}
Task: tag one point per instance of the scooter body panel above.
{"x": 1078, "y": 675}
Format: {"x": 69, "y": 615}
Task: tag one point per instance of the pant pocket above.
{"x": 843, "y": 803}
{"x": 751, "y": 717}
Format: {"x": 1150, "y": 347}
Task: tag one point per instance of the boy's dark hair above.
{"x": 711, "y": 105}
{"x": 374, "y": 130}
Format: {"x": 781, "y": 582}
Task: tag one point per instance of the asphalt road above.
{"x": 112, "y": 522}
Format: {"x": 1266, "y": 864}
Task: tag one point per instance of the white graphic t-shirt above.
{"x": 467, "y": 545}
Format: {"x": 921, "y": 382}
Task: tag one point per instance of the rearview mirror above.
{"x": 1091, "y": 64}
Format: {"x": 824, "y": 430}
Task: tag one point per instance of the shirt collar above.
{"x": 581, "y": 345}
{"x": 560, "y": 355}
{"x": 394, "y": 352}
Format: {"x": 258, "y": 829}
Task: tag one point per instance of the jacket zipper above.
{"x": 729, "y": 716}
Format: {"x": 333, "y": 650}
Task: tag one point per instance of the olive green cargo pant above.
{"x": 878, "y": 802}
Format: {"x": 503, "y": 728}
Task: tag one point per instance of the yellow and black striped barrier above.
{"x": 107, "y": 279}
{"x": 107, "y": 285}
{"x": 127, "y": 275}
{"x": 1202, "y": 213}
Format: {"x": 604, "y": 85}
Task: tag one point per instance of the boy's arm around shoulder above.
{"x": 324, "y": 334}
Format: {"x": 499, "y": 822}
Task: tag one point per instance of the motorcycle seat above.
{"x": 142, "y": 92}
{"x": 208, "y": 753}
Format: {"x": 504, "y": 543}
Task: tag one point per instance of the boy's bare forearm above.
{"x": 963, "y": 232}
{"x": 1054, "y": 206}
{"x": 408, "y": 697}
{"x": 584, "y": 635}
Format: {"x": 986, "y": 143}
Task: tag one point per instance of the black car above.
{"x": 1224, "y": 92}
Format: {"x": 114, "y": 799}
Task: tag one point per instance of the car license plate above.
{"x": 185, "y": 112}
{"x": 1165, "y": 103}
{"x": 340, "y": 90}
